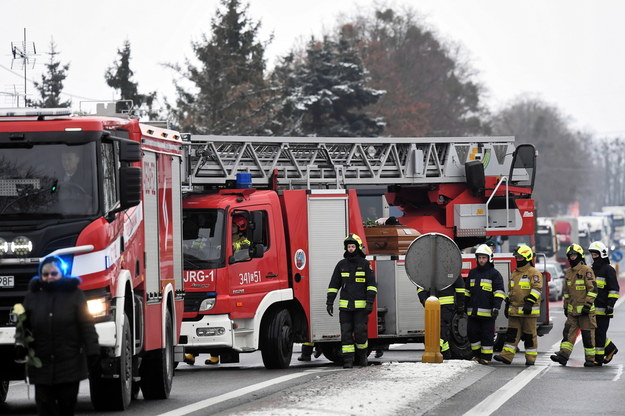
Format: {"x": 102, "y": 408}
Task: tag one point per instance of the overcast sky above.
{"x": 570, "y": 53}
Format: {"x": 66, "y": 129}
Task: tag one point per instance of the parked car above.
{"x": 556, "y": 284}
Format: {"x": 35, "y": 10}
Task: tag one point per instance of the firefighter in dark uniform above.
{"x": 607, "y": 295}
{"x": 354, "y": 277}
{"x": 522, "y": 308}
{"x": 580, "y": 292}
{"x": 484, "y": 297}
{"x": 452, "y": 300}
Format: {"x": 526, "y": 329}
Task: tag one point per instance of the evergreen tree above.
{"x": 51, "y": 86}
{"x": 119, "y": 77}
{"x": 228, "y": 94}
{"x": 326, "y": 91}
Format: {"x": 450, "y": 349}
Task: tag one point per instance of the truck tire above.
{"x": 459, "y": 344}
{"x": 332, "y": 351}
{"x": 157, "y": 369}
{"x": 115, "y": 393}
{"x": 277, "y": 340}
{"x": 4, "y": 390}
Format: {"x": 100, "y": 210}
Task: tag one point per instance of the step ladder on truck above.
{"x": 299, "y": 199}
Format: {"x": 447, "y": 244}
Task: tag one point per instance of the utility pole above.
{"x": 25, "y": 55}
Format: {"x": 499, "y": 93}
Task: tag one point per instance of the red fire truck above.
{"x": 104, "y": 195}
{"x": 299, "y": 199}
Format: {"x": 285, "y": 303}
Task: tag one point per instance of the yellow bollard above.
{"x": 432, "y": 352}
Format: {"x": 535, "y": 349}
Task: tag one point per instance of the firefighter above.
{"x": 239, "y": 240}
{"x": 452, "y": 301}
{"x": 522, "y": 308}
{"x": 484, "y": 297}
{"x": 354, "y": 277}
{"x": 607, "y": 295}
{"x": 580, "y": 292}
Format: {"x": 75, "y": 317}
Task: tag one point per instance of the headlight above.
{"x": 98, "y": 307}
{"x": 207, "y": 304}
{"x": 21, "y": 246}
{"x": 4, "y": 247}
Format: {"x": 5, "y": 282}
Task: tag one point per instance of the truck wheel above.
{"x": 4, "y": 390}
{"x": 116, "y": 393}
{"x": 277, "y": 340}
{"x": 157, "y": 370}
{"x": 459, "y": 344}
{"x": 332, "y": 351}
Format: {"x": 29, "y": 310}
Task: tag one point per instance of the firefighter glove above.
{"x": 369, "y": 307}
{"x": 609, "y": 310}
{"x": 566, "y": 312}
{"x": 585, "y": 309}
{"x": 506, "y": 313}
{"x": 527, "y": 308}
{"x": 495, "y": 313}
{"x": 330, "y": 310}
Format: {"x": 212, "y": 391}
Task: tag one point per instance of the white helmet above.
{"x": 600, "y": 248}
{"x": 485, "y": 250}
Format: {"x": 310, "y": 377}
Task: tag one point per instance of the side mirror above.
{"x": 129, "y": 151}
{"x": 130, "y": 186}
{"x": 257, "y": 250}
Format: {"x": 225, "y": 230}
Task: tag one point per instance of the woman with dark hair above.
{"x": 64, "y": 337}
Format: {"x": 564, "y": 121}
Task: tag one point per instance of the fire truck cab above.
{"x": 103, "y": 194}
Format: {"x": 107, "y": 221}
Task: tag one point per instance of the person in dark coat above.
{"x": 65, "y": 339}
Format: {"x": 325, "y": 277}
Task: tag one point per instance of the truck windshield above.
{"x": 48, "y": 180}
{"x": 203, "y": 239}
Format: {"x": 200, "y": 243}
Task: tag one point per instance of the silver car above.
{"x": 556, "y": 284}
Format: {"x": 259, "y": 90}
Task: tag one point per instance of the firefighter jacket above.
{"x": 355, "y": 279}
{"x": 484, "y": 291}
{"x": 525, "y": 285}
{"x": 607, "y": 287}
{"x": 448, "y": 297}
{"x": 580, "y": 289}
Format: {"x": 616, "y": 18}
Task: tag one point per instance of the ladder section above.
{"x": 313, "y": 162}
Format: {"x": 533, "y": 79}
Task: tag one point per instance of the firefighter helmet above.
{"x": 524, "y": 251}
{"x": 240, "y": 222}
{"x": 353, "y": 239}
{"x": 600, "y": 248}
{"x": 486, "y": 251}
{"x": 575, "y": 249}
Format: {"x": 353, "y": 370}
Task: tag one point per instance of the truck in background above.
{"x": 545, "y": 238}
{"x": 567, "y": 232}
{"x": 299, "y": 200}
{"x": 118, "y": 229}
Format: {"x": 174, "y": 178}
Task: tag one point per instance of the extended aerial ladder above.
{"x": 476, "y": 182}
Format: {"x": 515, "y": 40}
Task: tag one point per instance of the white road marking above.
{"x": 237, "y": 393}
{"x": 493, "y": 402}
{"x": 618, "y": 373}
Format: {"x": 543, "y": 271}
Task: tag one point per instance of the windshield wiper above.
{"x": 52, "y": 190}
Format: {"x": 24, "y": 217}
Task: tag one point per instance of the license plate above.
{"x": 7, "y": 281}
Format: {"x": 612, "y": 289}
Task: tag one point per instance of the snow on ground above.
{"x": 385, "y": 389}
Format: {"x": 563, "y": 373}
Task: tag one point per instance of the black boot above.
{"x": 306, "y": 353}
{"x": 361, "y": 358}
{"x": 348, "y": 362}
{"x": 559, "y": 358}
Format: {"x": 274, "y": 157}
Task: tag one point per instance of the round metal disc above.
{"x": 433, "y": 261}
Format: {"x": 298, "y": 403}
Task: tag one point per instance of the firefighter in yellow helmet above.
{"x": 580, "y": 292}
{"x": 522, "y": 308}
{"x": 354, "y": 277}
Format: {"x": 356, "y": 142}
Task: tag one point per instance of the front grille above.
{"x": 11, "y": 296}
{"x": 192, "y": 300}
